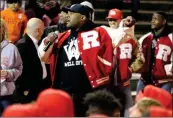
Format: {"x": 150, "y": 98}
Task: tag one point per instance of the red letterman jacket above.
{"x": 163, "y": 54}
{"x": 127, "y": 57}
{"x": 126, "y": 54}
{"x": 95, "y": 47}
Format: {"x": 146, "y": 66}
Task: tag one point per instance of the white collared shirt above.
{"x": 35, "y": 41}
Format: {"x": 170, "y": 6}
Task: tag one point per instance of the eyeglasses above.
{"x": 110, "y": 19}
{"x": 115, "y": 20}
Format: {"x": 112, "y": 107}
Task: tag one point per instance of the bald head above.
{"x": 35, "y": 28}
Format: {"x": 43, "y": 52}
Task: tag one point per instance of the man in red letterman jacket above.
{"x": 127, "y": 56}
{"x": 157, "y": 47}
{"x": 81, "y": 58}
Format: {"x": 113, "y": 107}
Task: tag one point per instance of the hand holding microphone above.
{"x": 50, "y": 39}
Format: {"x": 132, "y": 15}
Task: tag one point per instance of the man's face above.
{"x": 157, "y": 22}
{"x": 113, "y": 23}
{"x": 41, "y": 30}
{"x": 63, "y": 16}
{"x": 14, "y": 6}
{"x": 134, "y": 112}
{"x": 38, "y": 30}
{"x": 74, "y": 20}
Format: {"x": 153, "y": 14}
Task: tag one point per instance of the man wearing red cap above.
{"x": 163, "y": 97}
{"x": 114, "y": 18}
{"x": 141, "y": 106}
{"x": 156, "y": 93}
{"x": 126, "y": 49}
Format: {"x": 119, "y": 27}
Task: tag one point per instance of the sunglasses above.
{"x": 115, "y": 20}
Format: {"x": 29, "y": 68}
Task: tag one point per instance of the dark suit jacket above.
{"x": 31, "y": 78}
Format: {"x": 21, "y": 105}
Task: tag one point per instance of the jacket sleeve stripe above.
{"x": 143, "y": 37}
{"x": 102, "y": 80}
{"x": 104, "y": 61}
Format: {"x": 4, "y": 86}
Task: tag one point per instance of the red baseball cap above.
{"x": 156, "y": 93}
{"x": 55, "y": 103}
{"x": 115, "y": 14}
{"x": 20, "y": 110}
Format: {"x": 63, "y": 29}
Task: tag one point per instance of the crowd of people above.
{"x": 55, "y": 61}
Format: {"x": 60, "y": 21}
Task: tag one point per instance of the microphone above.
{"x": 47, "y": 46}
{"x": 49, "y": 43}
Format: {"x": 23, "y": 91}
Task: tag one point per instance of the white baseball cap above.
{"x": 88, "y": 4}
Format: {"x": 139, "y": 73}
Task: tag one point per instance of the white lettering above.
{"x": 90, "y": 39}
{"x": 72, "y": 50}
{"x": 163, "y": 52}
{"x": 67, "y": 64}
{"x": 79, "y": 62}
{"x": 125, "y": 51}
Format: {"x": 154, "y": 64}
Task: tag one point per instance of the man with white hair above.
{"x": 30, "y": 83}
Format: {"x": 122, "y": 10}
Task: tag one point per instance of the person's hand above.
{"x": 129, "y": 21}
{"x": 4, "y": 73}
{"x": 141, "y": 57}
{"x": 51, "y": 37}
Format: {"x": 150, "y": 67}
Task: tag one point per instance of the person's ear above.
{"x": 83, "y": 17}
{"x": 164, "y": 21}
{"x": 37, "y": 31}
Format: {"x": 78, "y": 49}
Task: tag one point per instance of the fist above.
{"x": 141, "y": 57}
{"x": 51, "y": 37}
{"x": 129, "y": 21}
